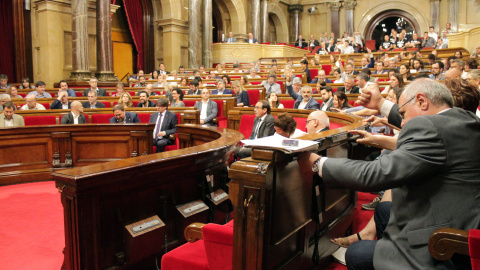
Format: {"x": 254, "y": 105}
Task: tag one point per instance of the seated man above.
{"x": 327, "y": 97}
{"x": 253, "y": 73}
{"x": 134, "y": 78}
{"x": 230, "y": 38}
{"x": 251, "y": 39}
{"x": 208, "y": 109}
{"x": 165, "y": 125}
{"x": 271, "y": 85}
{"x": 317, "y": 121}
{"x": 123, "y": 117}
{"x": 321, "y": 77}
{"x": 263, "y": 126}
{"x": 149, "y": 90}
{"x": 221, "y": 90}
{"x": 144, "y": 100}
{"x": 64, "y": 87}
{"x": 305, "y": 100}
{"x": 61, "y": 102}
{"x": 32, "y": 104}
{"x": 93, "y": 86}
{"x": 300, "y": 42}
{"x": 92, "y": 101}
{"x": 141, "y": 82}
{"x": 4, "y": 98}
{"x": 9, "y": 118}
{"x": 40, "y": 91}
{"x": 75, "y": 116}
{"x": 194, "y": 90}
{"x": 349, "y": 86}
{"x": 4, "y": 81}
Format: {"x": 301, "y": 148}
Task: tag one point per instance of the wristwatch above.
{"x": 315, "y": 165}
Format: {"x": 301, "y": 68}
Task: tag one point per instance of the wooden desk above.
{"x": 230, "y": 52}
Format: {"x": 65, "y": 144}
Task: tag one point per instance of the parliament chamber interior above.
{"x": 164, "y": 134}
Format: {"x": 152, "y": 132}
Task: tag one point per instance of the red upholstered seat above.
{"x": 135, "y": 103}
{"x": 106, "y": 103}
{"x": 40, "y": 120}
{"x": 327, "y": 69}
{"x": 246, "y": 125}
{"x": 253, "y": 96}
{"x": 334, "y": 125}
{"x": 266, "y": 43}
{"x": 79, "y": 93}
{"x": 411, "y": 49}
{"x": 186, "y": 257}
{"x": 301, "y": 123}
{"x": 370, "y": 44}
{"x": 144, "y": 117}
{"x": 398, "y": 50}
{"x": 132, "y": 93}
{"x": 218, "y": 241}
{"x": 23, "y": 95}
{"x": 46, "y": 105}
{"x": 189, "y": 102}
{"x": 175, "y": 146}
{"x": 313, "y": 73}
{"x": 101, "y": 118}
{"x": 288, "y": 103}
{"x": 222, "y": 120}
{"x": 281, "y": 43}
{"x": 474, "y": 247}
{"x": 255, "y": 83}
{"x": 281, "y": 86}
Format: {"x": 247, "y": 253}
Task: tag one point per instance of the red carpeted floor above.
{"x": 31, "y": 226}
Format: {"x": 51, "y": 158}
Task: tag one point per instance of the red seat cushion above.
{"x": 186, "y": 257}
{"x": 46, "y": 105}
{"x": 218, "y": 241}
{"x": 101, "y": 118}
{"x": 301, "y": 123}
{"x": 288, "y": 103}
{"x": 79, "y": 93}
{"x": 255, "y": 83}
{"x": 334, "y": 125}
{"x": 253, "y": 96}
{"x": 106, "y": 103}
{"x": 327, "y": 68}
{"x": 40, "y": 120}
{"x": 313, "y": 73}
{"x": 135, "y": 103}
{"x": 474, "y": 247}
{"x": 281, "y": 86}
{"x": 144, "y": 117}
{"x": 246, "y": 125}
{"x": 189, "y": 102}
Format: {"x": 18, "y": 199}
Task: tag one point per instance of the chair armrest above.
{"x": 172, "y": 137}
{"x": 215, "y": 120}
{"x": 445, "y": 242}
{"x": 193, "y": 232}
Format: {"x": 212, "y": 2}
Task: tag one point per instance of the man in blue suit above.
{"x": 221, "y": 88}
{"x": 123, "y": 117}
{"x": 305, "y": 99}
{"x": 165, "y": 125}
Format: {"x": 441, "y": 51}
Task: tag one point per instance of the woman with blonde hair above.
{"x": 244, "y": 80}
{"x": 126, "y": 100}
{"x": 12, "y": 91}
{"x": 241, "y": 94}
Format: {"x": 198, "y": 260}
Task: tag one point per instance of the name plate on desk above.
{"x": 192, "y": 208}
{"x": 218, "y": 196}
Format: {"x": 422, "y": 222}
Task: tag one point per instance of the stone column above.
{"x": 452, "y": 16}
{"x": 256, "y": 29}
{"x": 264, "y": 16}
{"x": 349, "y": 6}
{"x": 334, "y": 14}
{"x": 207, "y": 34}
{"x": 80, "y": 62}
{"x": 296, "y": 10}
{"x": 194, "y": 33}
{"x": 434, "y": 14}
{"x": 104, "y": 43}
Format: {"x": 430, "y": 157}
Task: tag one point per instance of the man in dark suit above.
{"x": 263, "y": 126}
{"x": 194, "y": 90}
{"x": 75, "y": 116}
{"x": 251, "y": 39}
{"x": 327, "y": 97}
{"x": 349, "y": 87}
{"x": 300, "y": 42}
{"x": 165, "y": 125}
{"x": 317, "y": 121}
{"x": 305, "y": 100}
{"x": 161, "y": 69}
{"x": 123, "y": 117}
{"x": 208, "y": 109}
{"x": 64, "y": 87}
{"x": 221, "y": 88}
{"x": 312, "y": 43}
{"x": 434, "y": 179}
{"x": 92, "y": 101}
{"x": 93, "y": 86}
{"x": 61, "y": 102}
{"x": 145, "y": 102}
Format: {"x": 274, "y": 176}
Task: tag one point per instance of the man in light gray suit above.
{"x": 434, "y": 174}
{"x": 9, "y": 118}
{"x": 230, "y": 38}
{"x": 208, "y": 109}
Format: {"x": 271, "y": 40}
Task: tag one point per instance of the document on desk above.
{"x": 286, "y": 145}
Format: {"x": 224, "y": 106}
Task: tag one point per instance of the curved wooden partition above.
{"x": 278, "y": 223}
{"x": 102, "y": 199}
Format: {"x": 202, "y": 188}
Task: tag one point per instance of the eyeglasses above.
{"x": 306, "y": 122}
{"x": 402, "y": 114}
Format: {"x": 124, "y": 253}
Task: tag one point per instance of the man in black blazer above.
{"x": 349, "y": 87}
{"x": 312, "y": 43}
{"x": 145, "y": 102}
{"x": 251, "y": 39}
{"x": 165, "y": 125}
{"x": 123, "y": 117}
{"x": 61, "y": 102}
{"x": 92, "y": 101}
{"x": 434, "y": 178}
{"x": 194, "y": 90}
{"x": 300, "y": 42}
{"x": 263, "y": 126}
{"x": 93, "y": 86}
{"x": 75, "y": 116}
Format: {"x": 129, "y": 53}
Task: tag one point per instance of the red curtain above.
{"x": 7, "y": 64}
{"x": 133, "y": 9}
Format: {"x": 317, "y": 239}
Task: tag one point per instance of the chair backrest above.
{"x": 313, "y": 73}
{"x": 253, "y": 96}
{"x": 218, "y": 242}
{"x": 301, "y": 123}
{"x": 46, "y": 105}
{"x": 474, "y": 247}
{"x": 79, "y": 93}
{"x": 288, "y": 103}
{"x": 144, "y": 117}
{"x": 189, "y": 102}
{"x": 246, "y": 125}
{"x": 40, "y": 120}
{"x": 219, "y": 107}
{"x": 370, "y": 44}
{"x": 327, "y": 68}
{"x": 101, "y": 118}
{"x": 106, "y": 103}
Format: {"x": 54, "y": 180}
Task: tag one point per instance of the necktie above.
{"x": 159, "y": 124}
{"x": 270, "y": 89}
{"x": 257, "y": 128}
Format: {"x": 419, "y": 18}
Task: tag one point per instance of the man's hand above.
{"x": 288, "y": 77}
{"x": 371, "y": 97}
{"x": 202, "y": 122}
{"x": 365, "y": 137}
{"x": 376, "y": 121}
{"x": 161, "y": 134}
{"x": 61, "y": 95}
{"x": 369, "y": 51}
{"x": 306, "y": 159}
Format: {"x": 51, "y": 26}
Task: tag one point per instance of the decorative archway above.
{"x": 236, "y": 12}
{"x": 280, "y": 21}
{"x": 392, "y": 8}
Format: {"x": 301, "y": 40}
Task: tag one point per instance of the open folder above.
{"x": 276, "y": 142}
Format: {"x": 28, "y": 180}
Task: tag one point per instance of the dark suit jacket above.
{"x": 100, "y": 92}
{"x": 198, "y": 92}
{"x": 169, "y": 124}
{"x": 327, "y": 105}
{"x": 98, "y": 105}
{"x": 266, "y": 128}
{"x": 130, "y": 117}
{"x": 68, "y": 119}
{"x": 211, "y": 111}
{"x": 315, "y": 43}
{"x": 311, "y": 105}
{"x": 355, "y": 89}
{"x": 243, "y": 98}
{"x": 435, "y": 182}
{"x": 254, "y": 40}
{"x": 57, "y": 105}
{"x": 225, "y": 92}
{"x": 150, "y": 104}
{"x": 309, "y": 77}
{"x": 304, "y": 44}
